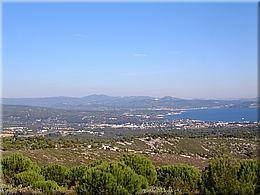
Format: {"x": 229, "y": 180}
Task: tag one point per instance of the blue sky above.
{"x": 184, "y": 50}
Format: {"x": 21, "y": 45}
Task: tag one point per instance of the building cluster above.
{"x": 99, "y": 128}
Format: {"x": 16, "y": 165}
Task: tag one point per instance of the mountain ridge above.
{"x": 105, "y": 102}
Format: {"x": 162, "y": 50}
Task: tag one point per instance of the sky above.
{"x": 185, "y": 50}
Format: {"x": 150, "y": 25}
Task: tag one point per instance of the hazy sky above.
{"x": 184, "y": 50}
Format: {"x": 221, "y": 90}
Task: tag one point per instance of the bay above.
{"x": 219, "y": 114}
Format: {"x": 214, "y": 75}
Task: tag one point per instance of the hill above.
{"x": 104, "y": 102}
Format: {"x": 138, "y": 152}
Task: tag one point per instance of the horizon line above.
{"x": 122, "y": 96}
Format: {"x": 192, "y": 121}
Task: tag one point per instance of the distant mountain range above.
{"x": 104, "y": 102}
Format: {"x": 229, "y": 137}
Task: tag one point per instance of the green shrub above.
{"x": 95, "y": 163}
{"x": 76, "y": 174}
{"x": 26, "y": 178}
{"x": 57, "y": 173}
{"x": 111, "y": 178}
{"x": 141, "y": 165}
{"x": 225, "y": 175}
{"x": 220, "y": 177}
{"x": 45, "y": 186}
{"x": 97, "y": 181}
{"x": 126, "y": 177}
{"x": 179, "y": 178}
{"x": 247, "y": 175}
{"x": 14, "y": 164}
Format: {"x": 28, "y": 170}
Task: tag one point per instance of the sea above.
{"x": 220, "y": 114}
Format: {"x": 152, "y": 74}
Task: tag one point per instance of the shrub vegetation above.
{"x": 142, "y": 166}
{"x": 131, "y": 174}
{"x": 179, "y": 178}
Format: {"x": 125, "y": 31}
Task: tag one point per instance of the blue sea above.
{"x": 220, "y": 114}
